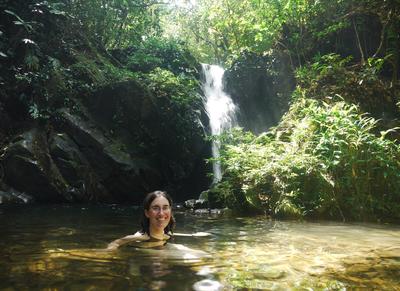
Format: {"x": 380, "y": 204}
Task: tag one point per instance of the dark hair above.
{"x": 146, "y": 206}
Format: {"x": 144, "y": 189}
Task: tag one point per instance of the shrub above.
{"x": 330, "y": 76}
{"x": 321, "y": 161}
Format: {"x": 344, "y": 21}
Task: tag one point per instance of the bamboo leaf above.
{"x": 15, "y": 15}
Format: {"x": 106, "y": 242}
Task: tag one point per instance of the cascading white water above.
{"x": 220, "y": 109}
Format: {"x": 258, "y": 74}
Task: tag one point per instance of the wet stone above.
{"x": 14, "y": 197}
{"x": 202, "y": 211}
{"x": 196, "y": 203}
{"x": 207, "y": 285}
{"x": 268, "y": 274}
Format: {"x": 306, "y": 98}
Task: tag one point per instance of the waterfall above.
{"x": 220, "y": 109}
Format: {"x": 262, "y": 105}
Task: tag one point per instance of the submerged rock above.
{"x": 207, "y": 285}
{"x": 269, "y": 274}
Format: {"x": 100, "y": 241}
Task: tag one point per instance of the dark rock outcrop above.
{"x": 114, "y": 149}
{"x": 146, "y": 130}
{"x": 125, "y": 176}
{"x": 79, "y": 125}
{"x": 76, "y": 170}
{"x": 14, "y": 197}
{"x": 29, "y": 168}
{"x": 261, "y": 86}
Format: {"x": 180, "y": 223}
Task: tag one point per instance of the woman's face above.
{"x": 159, "y": 213}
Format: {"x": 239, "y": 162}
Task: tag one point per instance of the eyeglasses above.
{"x": 165, "y": 208}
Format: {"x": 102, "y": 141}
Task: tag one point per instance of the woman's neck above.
{"x": 157, "y": 233}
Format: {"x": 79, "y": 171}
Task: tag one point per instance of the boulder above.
{"x": 76, "y": 170}
{"x": 6, "y": 124}
{"x": 126, "y": 177}
{"x": 196, "y": 204}
{"x": 28, "y": 168}
{"x": 116, "y": 147}
{"x": 146, "y": 130}
{"x": 261, "y": 87}
{"x": 14, "y": 197}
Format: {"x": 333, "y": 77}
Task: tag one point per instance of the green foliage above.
{"x": 331, "y": 77}
{"x": 219, "y": 30}
{"x": 93, "y": 71}
{"x": 326, "y": 69}
{"x": 178, "y": 98}
{"x": 159, "y": 52}
{"x": 181, "y": 89}
{"x": 49, "y": 60}
{"x": 321, "y": 161}
{"x": 34, "y": 78}
{"x": 115, "y": 23}
{"x": 27, "y": 25}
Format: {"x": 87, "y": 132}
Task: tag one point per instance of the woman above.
{"x": 157, "y": 222}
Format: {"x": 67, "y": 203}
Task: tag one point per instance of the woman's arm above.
{"x": 126, "y": 239}
{"x": 197, "y": 234}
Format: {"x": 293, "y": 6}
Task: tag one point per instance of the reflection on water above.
{"x": 269, "y": 255}
{"x": 62, "y": 247}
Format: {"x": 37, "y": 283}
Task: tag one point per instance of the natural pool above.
{"x": 61, "y": 248}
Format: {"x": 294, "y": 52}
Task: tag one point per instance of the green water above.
{"x": 62, "y": 248}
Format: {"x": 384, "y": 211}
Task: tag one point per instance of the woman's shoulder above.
{"x": 139, "y": 236}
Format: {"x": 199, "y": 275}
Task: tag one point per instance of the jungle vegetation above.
{"x": 334, "y": 154}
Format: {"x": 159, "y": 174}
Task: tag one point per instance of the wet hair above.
{"x": 146, "y": 206}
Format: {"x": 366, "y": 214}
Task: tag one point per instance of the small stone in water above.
{"x": 204, "y": 271}
{"x": 207, "y": 285}
{"x": 270, "y": 274}
{"x": 202, "y": 211}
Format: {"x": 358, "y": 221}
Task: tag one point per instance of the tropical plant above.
{"x": 115, "y": 23}
{"x": 323, "y": 160}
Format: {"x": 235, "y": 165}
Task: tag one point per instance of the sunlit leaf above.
{"x": 28, "y": 41}
{"x": 15, "y": 15}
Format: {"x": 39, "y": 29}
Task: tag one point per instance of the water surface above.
{"x": 62, "y": 247}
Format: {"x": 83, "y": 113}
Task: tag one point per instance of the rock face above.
{"x": 87, "y": 157}
{"x": 261, "y": 86}
{"x": 29, "y": 168}
{"x": 14, "y": 197}
{"x": 115, "y": 148}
